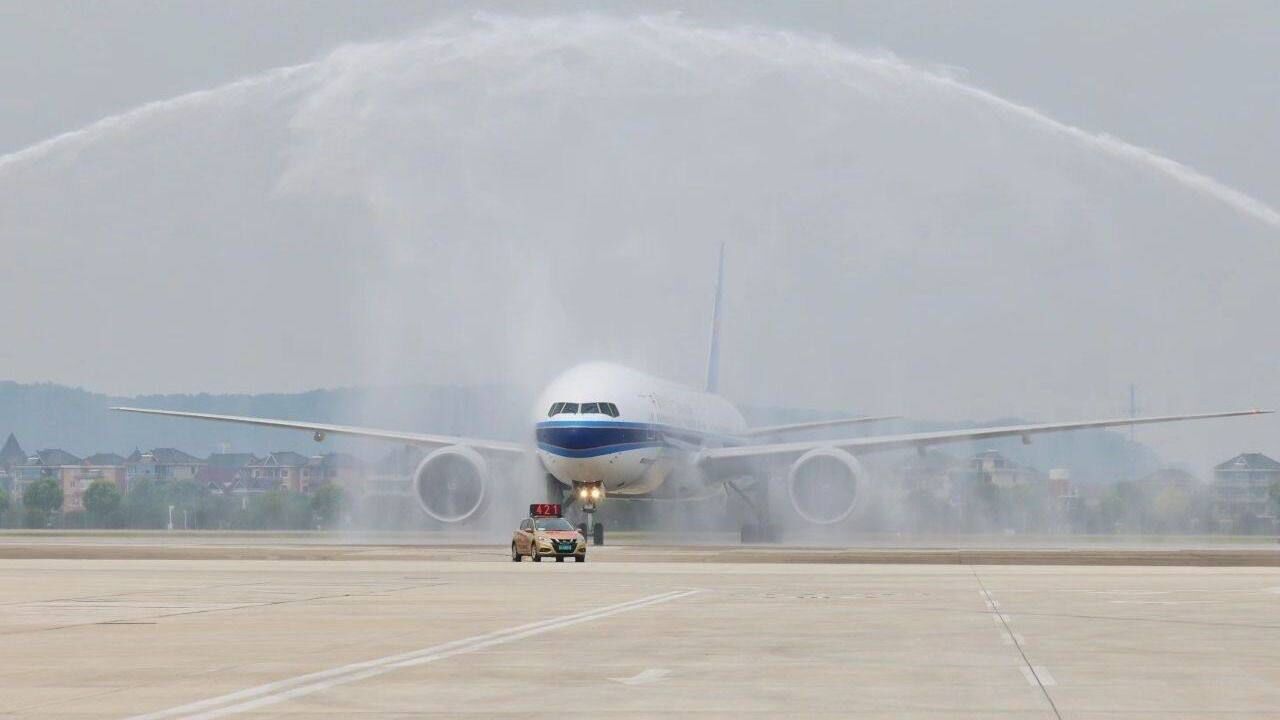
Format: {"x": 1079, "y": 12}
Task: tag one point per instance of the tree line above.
{"x": 147, "y": 505}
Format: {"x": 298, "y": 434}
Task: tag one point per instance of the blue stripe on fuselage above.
{"x": 596, "y": 451}
{"x": 595, "y": 435}
{"x": 592, "y": 438}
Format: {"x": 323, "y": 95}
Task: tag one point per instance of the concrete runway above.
{"x": 463, "y": 631}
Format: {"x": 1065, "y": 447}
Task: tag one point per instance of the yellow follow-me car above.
{"x": 545, "y": 533}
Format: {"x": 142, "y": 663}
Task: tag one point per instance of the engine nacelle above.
{"x": 823, "y": 485}
{"x": 450, "y": 483}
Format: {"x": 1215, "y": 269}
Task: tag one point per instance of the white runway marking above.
{"x": 1038, "y": 675}
{"x": 1161, "y": 602}
{"x": 281, "y": 690}
{"x": 643, "y": 678}
{"x": 1012, "y": 638}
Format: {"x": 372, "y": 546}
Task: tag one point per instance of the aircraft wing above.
{"x": 925, "y": 439}
{"x": 321, "y": 429}
{"x": 799, "y": 427}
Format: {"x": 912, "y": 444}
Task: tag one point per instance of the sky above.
{"x": 951, "y": 210}
{"x": 1194, "y": 81}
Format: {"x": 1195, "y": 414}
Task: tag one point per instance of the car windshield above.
{"x": 553, "y": 524}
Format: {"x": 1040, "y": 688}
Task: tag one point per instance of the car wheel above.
{"x": 580, "y": 558}
{"x": 515, "y": 554}
{"x": 533, "y": 553}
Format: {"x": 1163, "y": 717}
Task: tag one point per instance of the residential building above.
{"x": 281, "y": 470}
{"x": 1062, "y": 492}
{"x": 342, "y": 469}
{"x": 1242, "y": 496}
{"x": 228, "y": 473}
{"x": 162, "y": 464}
{"x": 993, "y": 468}
{"x": 76, "y": 479}
{"x": 44, "y": 464}
{"x": 108, "y": 458}
{"x": 12, "y": 455}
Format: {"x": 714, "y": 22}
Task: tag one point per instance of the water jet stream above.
{"x": 439, "y": 37}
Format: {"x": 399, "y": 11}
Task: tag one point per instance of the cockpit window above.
{"x": 568, "y": 408}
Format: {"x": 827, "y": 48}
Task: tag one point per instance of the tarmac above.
{"x": 219, "y": 626}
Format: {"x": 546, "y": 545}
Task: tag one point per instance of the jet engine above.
{"x": 823, "y": 485}
{"x": 450, "y": 483}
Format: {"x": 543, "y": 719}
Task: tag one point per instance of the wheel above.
{"x": 580, "y": 558}
{"x": 533, "y": 553}
{"x": 559, "y": 558}
{"x": 598, "y": 534}
{"x": 515, "y": 554}
{"x": 770, "y": 534}
{"x": 753, "y": 533}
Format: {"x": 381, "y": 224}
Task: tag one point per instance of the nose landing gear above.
{"x": 589, "y": 496}
{"x": 591, "y": 528}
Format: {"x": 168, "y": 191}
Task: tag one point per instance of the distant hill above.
{"x": 47, "y": 416}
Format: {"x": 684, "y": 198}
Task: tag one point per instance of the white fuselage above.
{"x": 606, "y": 424}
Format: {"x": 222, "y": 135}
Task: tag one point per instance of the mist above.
{"x": 492, "y": 199}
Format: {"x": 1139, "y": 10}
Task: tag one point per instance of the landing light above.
{"x": 595, "y": 493}
{"x": 582, "y": 493}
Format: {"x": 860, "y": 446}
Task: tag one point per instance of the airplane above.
{"x": 603, "y": 429}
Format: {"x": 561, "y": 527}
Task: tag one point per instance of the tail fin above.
{"x": 713, "y": 359}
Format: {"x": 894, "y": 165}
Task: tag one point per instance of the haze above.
{"x": 925, "y": 214}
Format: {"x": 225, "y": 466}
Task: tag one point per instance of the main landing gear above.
{"x": 756, "y": 527}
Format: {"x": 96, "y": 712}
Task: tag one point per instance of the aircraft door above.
{"x": 651, "y": 402}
